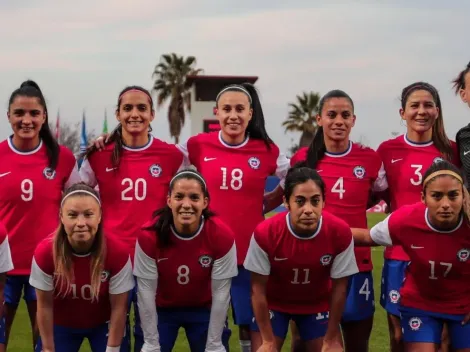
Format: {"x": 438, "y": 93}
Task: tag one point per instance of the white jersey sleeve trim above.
{"x": 6, "y": 263}
{"x": 39, "y": 279}
{"x": 183, "y": 148}
{"x": 122, "y": 281}
{"x": 146, "y": 292}
{"x": 282, "y": 166}
{"x": 381, "y": 183}
{"x": 344, "y": 263}
{"x": 73, "y": 178}
{"x": 144, "y": 266}
{"x": 380, "y": 233}
{"x": 226, "y": 267}
{"x": 219, "y": 309}
{"x": 87, "y": 174}
{"x": 257, "y": 259}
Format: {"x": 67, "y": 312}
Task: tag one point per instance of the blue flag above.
{"x": 83, "y": 139}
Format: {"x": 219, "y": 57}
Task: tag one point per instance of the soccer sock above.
{"x": 245, "y": 345}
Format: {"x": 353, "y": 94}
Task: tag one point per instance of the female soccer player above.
{"x": 405, "y": 159}
{"x": 350, "y": 172}
{"x": 132, "y": 173}
{"x": 34, "y": 170}
{"x": 188, "y": 258}
{"x": 292, "y": 257}
{"x": 82, "y": 279}
{"x": 6, "y": 264}
{"x": 434, "y": 234}
{"x": 236, "y": 162}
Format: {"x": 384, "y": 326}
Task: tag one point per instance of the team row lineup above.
{"x": 179, "y": 232}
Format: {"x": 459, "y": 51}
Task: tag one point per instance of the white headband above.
{"x": 240, "y": 88}
{"x": 81, "y": 192}
{"x": 189, "y": 172}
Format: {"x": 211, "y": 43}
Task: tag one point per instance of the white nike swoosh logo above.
{"x": 319, "y": 170}
{"x": 395, "y": 160}
{"x": 279, "y": 259}
{"x": 209, "y": 159}
{"x": 108, "y": 169}
{"x": 466, "y": 152}
{"x": 416, "y": 247}
{"x": 159, "y": 260}
{"x": 6, "y": 173}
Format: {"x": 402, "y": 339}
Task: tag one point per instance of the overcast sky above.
{"x": 83, "y": 53}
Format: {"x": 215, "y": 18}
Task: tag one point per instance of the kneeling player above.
{"x": 191, "y": 257}
{"x": 435, "y": 235}
{"x": 300, "y": 263}
{"x": 82, "y": 280}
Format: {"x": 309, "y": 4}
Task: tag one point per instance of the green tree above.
{"x": 302, "y": 117}
{"x": 170, "y": 84}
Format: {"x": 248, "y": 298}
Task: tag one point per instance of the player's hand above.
{"x": 331, "y": 346}
{"x": 267, "y": 347}
{"x": 466, "y": 319}
{"x": 99, "y": 143}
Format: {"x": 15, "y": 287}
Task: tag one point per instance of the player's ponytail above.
{"x": 439, "y": 136}
{"x": 31, "y": 89}
{"x": 165, "y": 222}
{"x": 459, "y": 81}
{"x": 63, "y": 251}
{"x": 116, "y": 135}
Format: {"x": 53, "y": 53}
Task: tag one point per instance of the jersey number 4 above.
{"x": 235, "y": 179}
{"x": 338, "y": 187}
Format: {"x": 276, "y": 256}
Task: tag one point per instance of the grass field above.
{"x": 20, "y": 339}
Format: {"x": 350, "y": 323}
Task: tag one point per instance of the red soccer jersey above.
{"x": 30, "y": 197}
{"x": 77, "y": 309}
{"x": 349, "y": 177}
{"x": 300, "y": 268}
{"x": 236, "y": 178}
{"x": 437, "y": 278}
{"x": 405, "y": 164}
{"x": 187, "y": 266}
{"x": 132, "y": 192}
{"x": 6, "y": 264}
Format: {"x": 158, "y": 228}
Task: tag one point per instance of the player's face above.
{"x": 337, "y": 119}
{"x": 81, "y": 216}
{"x": 465, "y": 93}
{"x": 305, "y": 206}
{"x": 234, "y": 113}
{"x": 26, "y": 116}
{"x": 135, "y": 113}
{"x": 444, "y": 199}
{"x": 187, "y": 202}
{"x": 420, "y": 111}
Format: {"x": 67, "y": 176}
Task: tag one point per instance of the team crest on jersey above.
{"x": 205, "y": 261}
{"x": 325, "y": 260}
{"x": 49, "y": 173}
{"x": 254, "y": 162}
{"x": 463, "y": 254}
{"x": 437, "y": 160}
{"x": 359, "y": 172}
{"x": 104, "y": 275}
{"x": 415, "y": 323}
{"x": 155, "y": 170}
{"x": 394, "y": 296}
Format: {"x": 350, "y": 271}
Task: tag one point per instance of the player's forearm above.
{"x": 362, "y": 238}
{"x": 219, "y": 308}
{"x": 117, "y": 324}
{"x": 45, "y": 321}
{"x": 337, "y": 302}
{"x": 273, "y": 199}
{"x": 261, "y": 311}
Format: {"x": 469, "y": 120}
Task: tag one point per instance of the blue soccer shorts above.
{"x": 360, "y": 303}
{"x": 240, "y": 292}
{"x": 15, "y": 286}
{"x": 393, "y": 275}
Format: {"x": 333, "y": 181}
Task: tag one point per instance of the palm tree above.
{"x": 170, "y": 83}
{"x": 302, "y": 117}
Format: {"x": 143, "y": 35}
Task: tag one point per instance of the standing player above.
{"x": 6, "y": 264}
{"x": 82, "y": 279}
{"x": 350, "y": 172}
{"x": 292, "y": 258}
{"x": 236, "y": 162}
{"x": 435, "y": 236}
{"x": 462, "y": 88}
{"x": 191, "y": 257}
{"x": 405, "y": 159}
{"x": 34, "y": 170}
{"x": 132, "y": 172}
